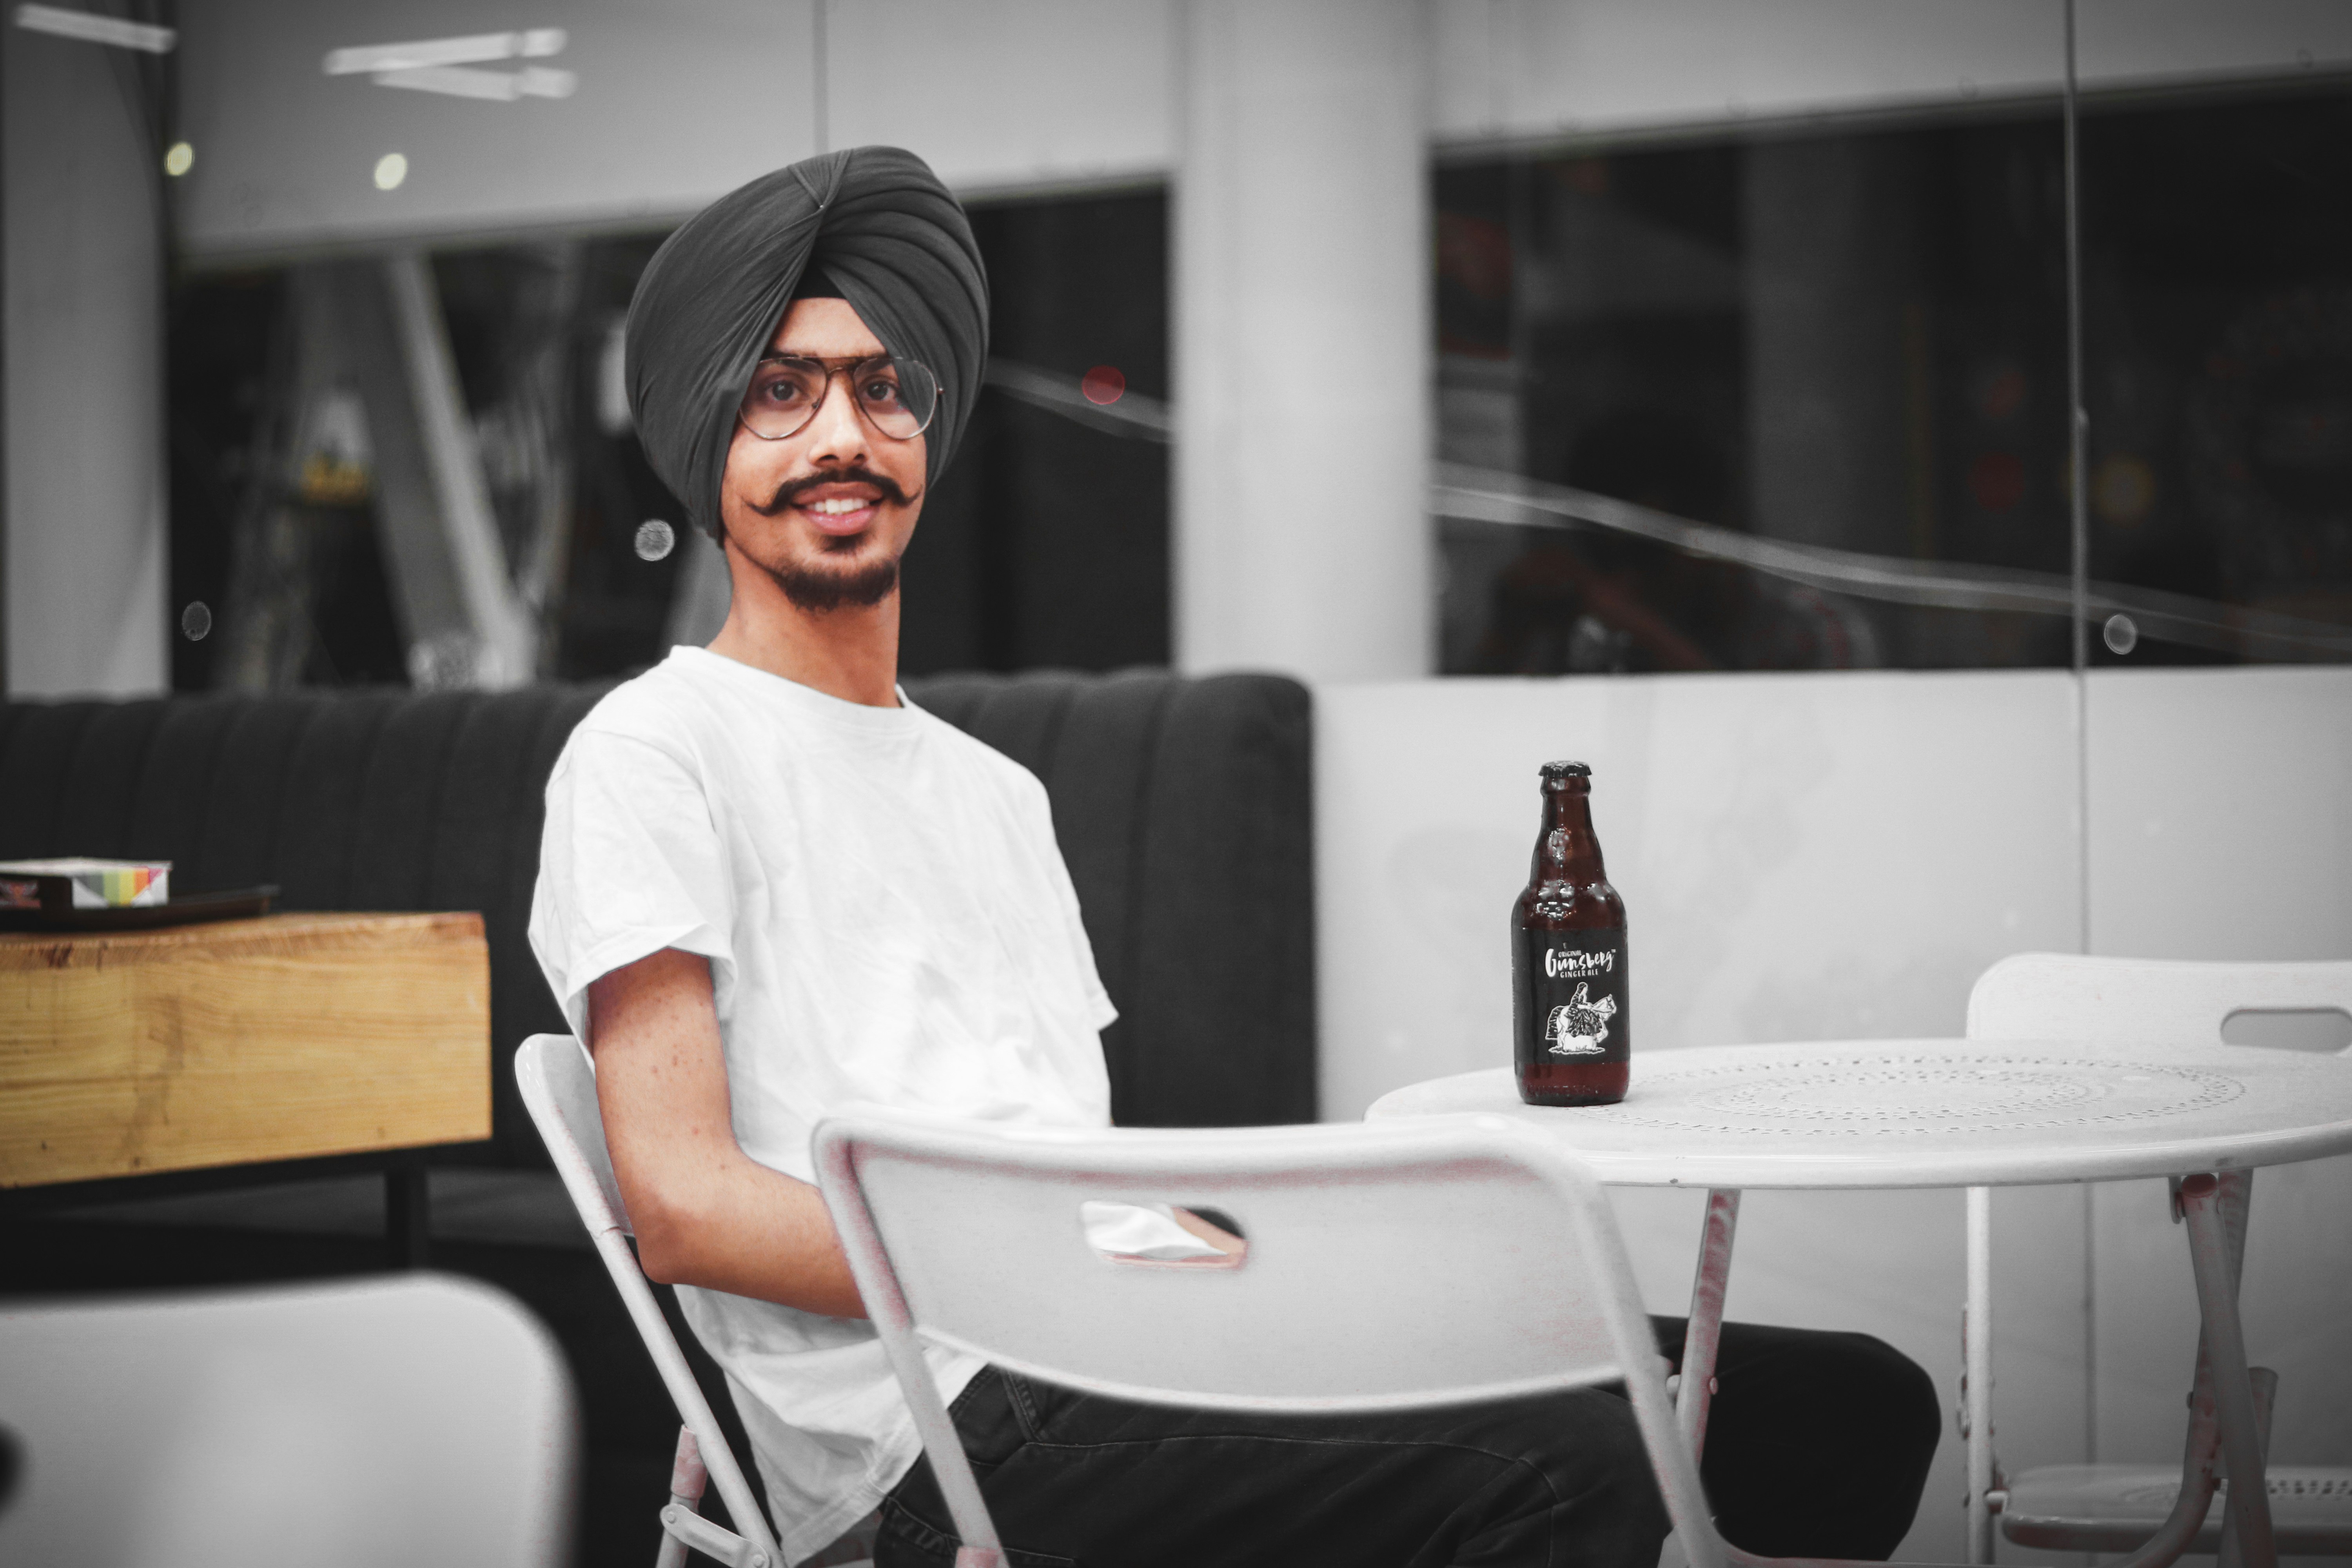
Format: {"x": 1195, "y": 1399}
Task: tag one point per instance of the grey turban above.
{"x": 878, "y": 224}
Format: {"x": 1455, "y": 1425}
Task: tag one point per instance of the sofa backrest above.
{"x": 1181, "y": 807}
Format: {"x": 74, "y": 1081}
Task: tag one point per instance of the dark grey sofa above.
{"x": 1181, "y": 805}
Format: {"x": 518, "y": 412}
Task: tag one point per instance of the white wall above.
{"x": 681, "y": 101}
{"x": 1012, "y": 93}
{"x": 1834, "y": 854}
{"x": 2222, "y": 828}
{"x": 83, "y": 531}
{"x": 1518, "y": 69}
{"x": 2133, "y": 42}
{"x": 1838, "y": 856}
{"x": 676, "y": 104}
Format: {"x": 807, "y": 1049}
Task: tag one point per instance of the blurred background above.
{"x": 314, "y": 316}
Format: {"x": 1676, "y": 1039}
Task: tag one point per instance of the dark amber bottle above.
{"x": 1571, "y": 1023}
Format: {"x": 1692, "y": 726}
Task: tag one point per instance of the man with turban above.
{"x": 769, "y": 885}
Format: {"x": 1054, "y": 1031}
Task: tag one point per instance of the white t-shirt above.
{"x": 888, "y": 918}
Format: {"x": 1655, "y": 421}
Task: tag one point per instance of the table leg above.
{"x": 1704, "y": 1335}
{"x": 2215, "y": 1248}
{"x": 1976, "y": 1376}
{"x": 2201, "y": 1461}
{"x": 407, "y": 1216}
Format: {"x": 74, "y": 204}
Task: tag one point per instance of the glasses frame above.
{"x": 840, "y": 366}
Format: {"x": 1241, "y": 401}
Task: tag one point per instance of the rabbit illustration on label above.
{"x": 1577, "y": 1025}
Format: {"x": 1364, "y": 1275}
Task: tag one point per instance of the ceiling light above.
{"x": 89, "y": 30}
{"x": 476, "y": 49}
{"x": 179, "y": 160}
{"x": 466, "y": 82}
{"x": 389, "y": 170}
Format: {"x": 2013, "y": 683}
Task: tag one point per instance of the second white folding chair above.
{"x": 2051, "y": 996}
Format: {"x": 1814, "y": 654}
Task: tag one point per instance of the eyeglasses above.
{"x": 897, "y": 396}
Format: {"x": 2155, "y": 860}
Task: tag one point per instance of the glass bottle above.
{"x": 1570, "y": 1021}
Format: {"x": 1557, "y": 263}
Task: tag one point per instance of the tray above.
{"x": 245, "y": 903}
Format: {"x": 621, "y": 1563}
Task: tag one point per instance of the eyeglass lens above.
{"x": 896, "y": 397}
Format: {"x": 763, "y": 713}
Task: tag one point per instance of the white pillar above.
{"x": 87, "y": 570}
{"x": 1302, "y": 288}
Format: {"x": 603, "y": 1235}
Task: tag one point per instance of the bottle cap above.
{"x": 1566, "y": 770}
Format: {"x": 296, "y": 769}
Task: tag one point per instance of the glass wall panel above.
{"x": 2217, "y": 285}
{"x": 1756, "y": 402}
{"x": 1045, "y": 544}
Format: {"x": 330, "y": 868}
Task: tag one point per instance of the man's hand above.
{"x": 1215, "y": 1234}
{"x": 705, "y": 1212}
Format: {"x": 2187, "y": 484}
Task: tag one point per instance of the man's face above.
{"x": 827, "y": 510}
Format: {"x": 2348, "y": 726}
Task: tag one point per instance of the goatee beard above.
{"x": 807, "y": 583}
{"x": 811, "y": 587}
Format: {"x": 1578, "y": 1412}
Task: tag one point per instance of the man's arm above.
{"x": 705, "y": 1212}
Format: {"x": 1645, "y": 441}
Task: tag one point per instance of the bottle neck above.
{"x": 1567, "y": 850}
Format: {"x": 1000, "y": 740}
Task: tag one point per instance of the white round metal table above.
{"x": 1958, "y": 1114}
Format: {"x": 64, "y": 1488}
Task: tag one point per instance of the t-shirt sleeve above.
{"x": 629, "y": 863}
{"x": 1100, "y": 1014}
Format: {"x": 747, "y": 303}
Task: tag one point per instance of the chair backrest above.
{"x": 390, "y": 1421}
{"x": 559, "y": 1089}
{"x": 2064, "y": 995}
{"x": 1362, "y": 1239}
{"x": 1389, "y": 1264}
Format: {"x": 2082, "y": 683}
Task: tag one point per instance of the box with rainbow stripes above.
{"x": 81, "y": 883}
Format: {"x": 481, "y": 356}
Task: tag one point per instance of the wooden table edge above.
{"x": 30, "y": 1198}
{"x": 324, "y": 930}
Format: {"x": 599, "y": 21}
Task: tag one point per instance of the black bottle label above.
{"x": 1573, "y": 996}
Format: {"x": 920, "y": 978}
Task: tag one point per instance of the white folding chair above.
{"x": 559, "y": 1089}
{"x": 378, "y": 1423}
{"x": 2050, "y": 995}
{"x": 1478, "y": 1261}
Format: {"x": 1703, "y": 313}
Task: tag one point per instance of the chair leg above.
{"x": 407, "y": 1217}
{"x": 687, "y": 1480}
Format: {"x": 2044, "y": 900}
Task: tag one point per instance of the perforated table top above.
{"x": 1933, "y": 1113}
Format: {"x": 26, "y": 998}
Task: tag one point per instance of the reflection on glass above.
{"x": 1787, "y": 404}
{"x": 1799, "y": 402}
{"x": 1045, "y": 544}
{"x": 655, "y": 539}
{"x": 2217, "y": 341}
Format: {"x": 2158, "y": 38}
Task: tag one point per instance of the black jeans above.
{"x": 1818, "y": 1445}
